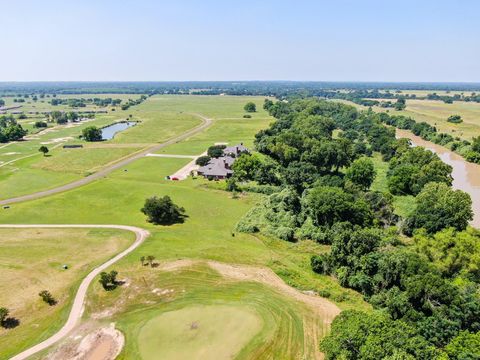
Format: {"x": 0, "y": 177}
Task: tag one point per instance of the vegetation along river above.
{"x": 466, "y": 176}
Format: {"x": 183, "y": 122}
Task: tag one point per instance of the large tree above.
{"x": 250, "y": 107}
{"x": 439, "y": 207}
{"x": 327, "y": 205}
{"x": 92, "y": 133}
{"x": 162, "y": 211}
{"x": 361, "y": 173}
{"x": 3, "y": 315}
{"x": 43, "y": 149}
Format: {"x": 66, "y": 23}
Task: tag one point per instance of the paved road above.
{"x": 77, "y": 307}
{"x": 206, "y": 122}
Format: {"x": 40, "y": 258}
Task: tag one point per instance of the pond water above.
{"x": 466, "y": 175}
{"x": 109, "y": 132}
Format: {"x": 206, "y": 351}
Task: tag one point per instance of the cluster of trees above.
{"x": 47, "y": 297}
{"x": 131, "y": 102}
{"x": 109, "y": 280}
{"x": 10, "y": 130}
{"x": 81, "y": 102}
{"x": 426, "y": 295}
{"x": 469, "y": 150}
{"x": 61, "y": 117}
{"x": 163, "y": 211}
{"x": 319, "y": 183}
{"x": 449, "y": 99}
{"x": 314, "y": 179}
{"x": 40, "y": 124}
{"x": 412, "y": 168}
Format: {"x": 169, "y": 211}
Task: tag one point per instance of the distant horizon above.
{"x": 241, "y": 81}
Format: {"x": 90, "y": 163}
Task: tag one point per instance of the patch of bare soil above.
{"x": 101, "y": 344}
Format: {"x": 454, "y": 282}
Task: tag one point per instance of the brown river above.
{"x": 466, "y": 176}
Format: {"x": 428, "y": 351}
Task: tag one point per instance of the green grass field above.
{"x": 31, "y": 261}
{"x": 436, "y": 113}
{"x": 289, "y": 329}
{"x": 161, "y": 118}
{"x": 198, "y": 332}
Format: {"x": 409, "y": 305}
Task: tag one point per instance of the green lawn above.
{"x": 198, "y": 332}
{"x": 23, "y": 170}
{"x": 31, "y": 261}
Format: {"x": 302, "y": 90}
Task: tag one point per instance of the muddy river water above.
{"x": 466, "y": 176}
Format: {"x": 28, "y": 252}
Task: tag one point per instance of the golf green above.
{"x": 199, "y": 332}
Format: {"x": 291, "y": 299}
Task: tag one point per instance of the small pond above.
{"x": 109, "y": 132}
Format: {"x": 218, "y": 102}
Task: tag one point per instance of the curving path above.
{"x": 77, "y": 307}
{"x": 206, "y": 122}
{"x": 325, "y": 309}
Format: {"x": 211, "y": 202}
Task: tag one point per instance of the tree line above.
{"x": 470, "y": 150}
{"x": 316, "y": 170}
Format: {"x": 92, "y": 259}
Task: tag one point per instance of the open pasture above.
{"x": 437, "y": 112}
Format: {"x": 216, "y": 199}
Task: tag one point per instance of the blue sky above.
{"x": 337, "y": 40}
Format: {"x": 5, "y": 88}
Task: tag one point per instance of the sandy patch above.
{"x": 11, "y": 153}
{"x": 57, "y": 140}
{"x": 161, "y": 292}
{"x": 101, "y": 344}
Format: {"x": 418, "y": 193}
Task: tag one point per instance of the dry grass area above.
{"x": 31, "y": 261}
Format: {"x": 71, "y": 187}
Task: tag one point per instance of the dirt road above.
{"x": 77, "y": 307}
{"x": 206, "y": 122}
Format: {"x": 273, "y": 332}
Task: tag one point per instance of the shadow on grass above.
{"x": 10, "y": 323}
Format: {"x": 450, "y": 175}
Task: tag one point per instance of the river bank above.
{"x": 466, "y": 175}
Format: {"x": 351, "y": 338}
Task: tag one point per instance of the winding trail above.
{"x": 206, "y": 122}
{"x": 77, "y": 307}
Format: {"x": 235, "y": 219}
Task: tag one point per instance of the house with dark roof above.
{"x": 221, "y": 168}
{"x": 235, "y": 151}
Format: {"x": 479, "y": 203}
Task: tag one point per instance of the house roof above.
{"x": 237, "y": 149}
{"x": 216, "y": 167}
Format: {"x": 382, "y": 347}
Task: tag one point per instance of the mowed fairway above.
{"x": 31, "y": 261}
{"x": 198, "y": 332}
